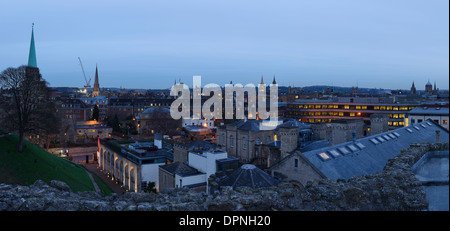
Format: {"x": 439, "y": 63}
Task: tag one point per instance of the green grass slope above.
{"x": 35, "y": 163}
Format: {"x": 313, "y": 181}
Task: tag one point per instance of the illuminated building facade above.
{"x": 314, "y": 111}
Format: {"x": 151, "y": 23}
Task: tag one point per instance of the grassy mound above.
{"x": 35, "y": 163}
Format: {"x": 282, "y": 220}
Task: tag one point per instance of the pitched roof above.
{"x": 249, "y": 175}
{"x": 370, "y": 154}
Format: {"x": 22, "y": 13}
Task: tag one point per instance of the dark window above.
{"x": 296, "y": 163}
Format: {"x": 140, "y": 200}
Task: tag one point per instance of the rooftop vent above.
{"x": 417, "y": 128}
{"x": 396, "y": 134}
{"x": 409, "y": 130}
{"x": 374, "y": 141}
{"x": 386, "y": 137}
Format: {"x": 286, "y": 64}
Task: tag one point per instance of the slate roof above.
{"x": 249, "y": 175}
{"x": 370, "y": 154}
{"x": 180, "y": 169}
{"x": 429, "y": 111}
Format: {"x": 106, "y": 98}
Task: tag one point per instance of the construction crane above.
{"x": 87, "y": 81}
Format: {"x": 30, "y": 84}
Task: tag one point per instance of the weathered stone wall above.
{"x": 394, "y": 188}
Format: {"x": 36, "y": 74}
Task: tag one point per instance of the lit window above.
{"x": 352, "y": 114}
{"x": 346, "y": 107}
{"x": 324, "y": 156}
{"x": 395, "y": 108}
{"x": 364, "y": 107}
{"x": 275, "y": 137}
{"x": 376, "y": 108}
{"x": 358, "y": 107}
{"x": 389, "y": 108}
{"x": 341, "y": 113}
{"x": 318, "y": 106}
{"x": 444, "y": 122}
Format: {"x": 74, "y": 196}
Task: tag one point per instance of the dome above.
{"x": 249, "y": 175}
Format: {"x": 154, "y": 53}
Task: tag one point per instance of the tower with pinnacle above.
{"x": 96, "y": 90}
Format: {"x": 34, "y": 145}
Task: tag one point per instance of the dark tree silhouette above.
{"x": 27, "y": 106}
{"x": 95, "y": 113}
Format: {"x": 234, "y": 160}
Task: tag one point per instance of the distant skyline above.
{"x": 150, "y": 44}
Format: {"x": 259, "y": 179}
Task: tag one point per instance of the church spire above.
{"x": 96, "y": 90}
{"x": 274, "y": 82}
{"x": 32, "y": 55}
{"x": 262, "y": 81}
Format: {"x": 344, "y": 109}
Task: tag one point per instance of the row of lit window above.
{"x": 391, "y": 108}
{"x": 356, "y": 107}
{"x": 335, "y": 113}
{"x": 396, "y": 124}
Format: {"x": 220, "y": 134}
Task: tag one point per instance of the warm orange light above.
{"x": 358, "y": 114}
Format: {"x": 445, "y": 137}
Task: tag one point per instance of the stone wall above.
{"x": 394, "y": 188}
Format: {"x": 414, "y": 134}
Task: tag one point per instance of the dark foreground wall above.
{"x": 394, "y": 188}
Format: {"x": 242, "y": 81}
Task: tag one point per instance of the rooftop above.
{"x": 249, "y": 175}
{"x": 370, "y": 154}
{"x": 180, "y": 169}
{"x": 429, "y": 111}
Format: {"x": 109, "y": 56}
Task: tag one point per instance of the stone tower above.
{"x": 378, "y": 123}
{"x": 288, "y": 137}
{"x": 428, "y": 88}
{"x": 96, "y": 91}
{"x": 413, "y": 89}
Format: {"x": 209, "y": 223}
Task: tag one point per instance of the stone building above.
{"x": 240, "y": 138}
{"x": 181, "y": 149}
{"x": 339, "y": 131}
{"x": 355, "y": 158}
{"x": 249, "y": 143}
{"x": 379, "y": 123}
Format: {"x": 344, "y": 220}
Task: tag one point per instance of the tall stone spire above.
{"x": 32, "y": 55}
{"x": 413, "y": 89}
{"x": 274, "y": 82}
{"x": 262, "y": 81}
{"x": 96, "y": 91}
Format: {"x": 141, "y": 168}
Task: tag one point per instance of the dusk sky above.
{"x": 148, "y": 44}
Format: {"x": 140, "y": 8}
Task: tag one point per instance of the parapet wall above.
{"x": 393, "y": 189}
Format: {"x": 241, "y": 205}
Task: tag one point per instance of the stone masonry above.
{"x": 394, "y": 188}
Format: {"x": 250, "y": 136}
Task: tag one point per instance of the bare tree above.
{"x": 29, "y": 108}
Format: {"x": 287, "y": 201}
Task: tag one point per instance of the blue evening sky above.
{"x": 149, "y": 44}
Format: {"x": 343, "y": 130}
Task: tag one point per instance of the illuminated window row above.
{"x": 396, "y": 124}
